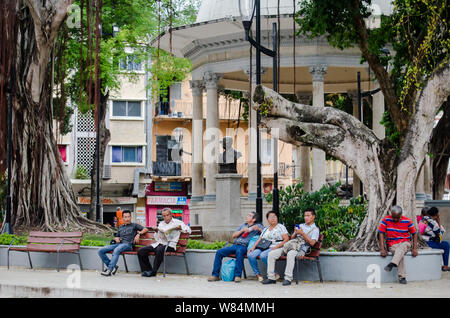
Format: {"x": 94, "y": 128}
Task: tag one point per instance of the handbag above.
{"x": 263, "y": 243}
{"x": 227, "y": 270}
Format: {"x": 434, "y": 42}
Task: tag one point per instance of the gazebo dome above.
{"x": 219, "y": 9}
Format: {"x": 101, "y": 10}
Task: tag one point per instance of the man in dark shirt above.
{"x": 124, "y": 238}
{"x": 241, "y": 238}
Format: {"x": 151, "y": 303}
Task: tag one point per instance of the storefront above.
{"x": 171, "y": 195}
{"x": 110, "y": 205}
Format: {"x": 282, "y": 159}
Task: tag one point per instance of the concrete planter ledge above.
{"x": 336, "y": 266}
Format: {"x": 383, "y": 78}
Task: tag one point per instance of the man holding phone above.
{"x": 305, "y": 235}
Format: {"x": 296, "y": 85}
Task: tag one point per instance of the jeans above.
{"x": 254, "y": 262}
{"x": 117, "y": 249}
{"x": 238, "y": 250}
{"x": 444, "y": 245}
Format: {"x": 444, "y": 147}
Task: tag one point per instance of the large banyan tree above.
{"x": 42, "y": 195}
{"x": 415, "y": 90}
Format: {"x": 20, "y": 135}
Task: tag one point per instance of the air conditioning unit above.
{"x": 106, "y": 172}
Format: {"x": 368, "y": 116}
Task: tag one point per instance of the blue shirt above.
{"x": 244, "y": 240}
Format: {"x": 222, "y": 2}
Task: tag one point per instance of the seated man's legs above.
{"x": 252, "y": 259}
{"x": 271, "y": 259}
{"x": 444, "y": 245}
{"x": 290, "y": 264}
{"x": 123, "y": 247}
{"x": 103, "y": 251}
{"x": 159, "y": 256}
{"x": 399, "y": 250}
{"x": 143, "y": 257}
{"x": 241, "y": 250}
{"x": 220, "y": 254}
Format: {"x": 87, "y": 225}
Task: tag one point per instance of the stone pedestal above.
{"x": 228, "y": 204}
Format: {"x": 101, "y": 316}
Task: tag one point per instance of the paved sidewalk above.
{"x": 22, "y": 282}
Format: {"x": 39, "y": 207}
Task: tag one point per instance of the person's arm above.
{"x": 254, "y": 246}
{"x": 239, "y": 232}
{"x": 308, "y": 240}
{"x": 184, "y": 228}
{"x": 382, "y": 240}
{"x": 285, "y": 239}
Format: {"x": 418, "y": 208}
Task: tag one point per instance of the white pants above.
{"x": 290, "y": 263}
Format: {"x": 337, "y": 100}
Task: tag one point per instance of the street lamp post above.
{"x": 250, "y": 9}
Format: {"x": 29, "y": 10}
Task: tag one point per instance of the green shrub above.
{"x": 81, "y": 173}
{"x": 337, "y": 223}
{"x": 6, "y": 239}
{"x": 199, "y": 245}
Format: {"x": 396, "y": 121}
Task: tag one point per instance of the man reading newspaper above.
{"x": 167, "y": 233}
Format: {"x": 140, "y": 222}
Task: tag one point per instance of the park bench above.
{"x": 312, "y": 256}
{"x": 196, "y": 232}
{"x": 50, "y": 242}
{"x": 148, "y": 239}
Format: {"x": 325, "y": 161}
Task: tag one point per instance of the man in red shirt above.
{"x": 396, "y": 231}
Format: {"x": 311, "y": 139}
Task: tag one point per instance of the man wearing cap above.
{"x": 396, "y": 231}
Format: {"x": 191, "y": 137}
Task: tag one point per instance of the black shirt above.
{"x": 127, "y": 232}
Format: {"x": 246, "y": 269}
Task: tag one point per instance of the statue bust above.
{"x": 229, "y": 157}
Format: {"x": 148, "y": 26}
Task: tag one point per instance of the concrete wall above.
{"x": 340, "y": 266}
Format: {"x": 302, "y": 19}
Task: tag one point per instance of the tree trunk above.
{"x": 42, "y": 195}
{"x": 385, "y": 175}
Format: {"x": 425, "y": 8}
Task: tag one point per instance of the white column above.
{"x": 303, "y": 163}
{"x": 356, "y": 180}
{"x": 377, "y": 114}
{"x": 319, "y": 166}
{"x": 197, "y": 140}
{"x": 212, "y": 134}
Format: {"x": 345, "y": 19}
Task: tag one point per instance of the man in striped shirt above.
{"x": 396, "y": 231}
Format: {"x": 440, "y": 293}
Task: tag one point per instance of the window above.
{"x": 130, "y": 63}
{"x": 127, "y": 109}
{"x": 122, "y": 154}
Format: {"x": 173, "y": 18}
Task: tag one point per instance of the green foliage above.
{"x": 238, "y": 95}
{"x": 417, "y": 30}
{"x": 199, "y": 245}
{"x": 81, "y": 173}
{"x": 6, "y": 239}
{"x": 337, "y": 223}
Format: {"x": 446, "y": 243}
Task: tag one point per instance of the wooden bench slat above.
{"x": 49, "y": 240}
{"x": 55, "y": 234}
{"x": 52, "y": 248}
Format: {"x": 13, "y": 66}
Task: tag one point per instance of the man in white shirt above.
{"x": 167, "y": 233}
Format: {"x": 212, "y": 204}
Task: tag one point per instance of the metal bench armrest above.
{"x": 11, "y": 244}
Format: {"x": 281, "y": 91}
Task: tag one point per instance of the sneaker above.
{"x": 269, "y": 281}
{"x": 114, "y": 271}
{"x": 286, "y": 282}
{"x": 237, "y": 279}
{"x": 402, "y": 281}
{"x": 389, "y": 267}
{"x": 260, "y": 279}
{"x": 213, "y": 279}
{"x": 152, "y": 274}
{"x": 146, "y": 274}
{"x": 106, "y": 273}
